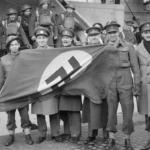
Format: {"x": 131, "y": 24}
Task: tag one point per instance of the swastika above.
{"x": 62, "y": 72}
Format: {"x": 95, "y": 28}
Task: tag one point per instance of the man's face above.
{"x": 66, "y": 41}
{"x": 42, "y": 40}
{"x": 27, "y": 12}
{"x": 70, "y": 10}
{"x": 129, "y": 27}
{"x": 14, "y": 47}
{"x": 12, "y": 17}
{"x": 92, "y": 40}
{"x": 45, "y": 6}
{"x": 146, "y": 35}
{"x": 113, "y": 36}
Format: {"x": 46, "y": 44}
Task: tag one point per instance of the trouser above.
{"x": 54, "y": 124}
{"x": 125, "y": 97}
{"x": 100, "y": 111}
{"x": 147, "y": 123}
{"x": 72, "y": 122}
{"x": 25, "y": 122}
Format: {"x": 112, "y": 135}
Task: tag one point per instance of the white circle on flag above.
{"x": 62, "y": 61}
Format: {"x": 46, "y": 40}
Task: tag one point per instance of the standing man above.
{"x": 121, "y": 86}
{"x": 12, "y": 26}
{"x": 94, "y": 35}
{"x": 43, "y": 16}
{"x": 128, "y": 32}
{"x": 26, "y": 11}
{"x": 143, "y": 51}
{"x": 13, "y": 46}
{"x": 95, "y": 114}
{"x": 46, "y": 105}
{"x": 70, "y": 106}
{"x": 67, "y": 20}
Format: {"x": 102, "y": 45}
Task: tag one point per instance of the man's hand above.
{"x": 33, "y": 38}
{"x": 137, "y": 89}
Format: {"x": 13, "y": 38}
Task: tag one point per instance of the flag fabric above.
{"x": 84, "y": 70}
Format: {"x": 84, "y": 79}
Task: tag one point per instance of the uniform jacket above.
{"x": 25, "y": 25}
{"x": 46, "y": 104}
{"x": 129, "y": 36}
{"x": 5, "y": 67}
{"x": 7, "y": 62}
{"x": 20, "y": 31}
{"x": 127, "y": 59}
{"x": 144, "y": 61}
{"x": 33, "y": 22}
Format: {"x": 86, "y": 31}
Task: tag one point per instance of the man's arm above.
{"x": 135, "y": 69}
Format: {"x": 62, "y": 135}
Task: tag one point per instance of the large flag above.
{"x": 78, "y": 70}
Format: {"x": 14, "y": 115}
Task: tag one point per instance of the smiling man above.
{"x": 70, "y": 106}
{"x": 122, "y": 88}
{"x": 46, "y": 105}
{"x": 13, "y": 46}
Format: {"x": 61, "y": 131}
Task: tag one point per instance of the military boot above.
{"x": 90, "y": 139}
{"x": 128, "y": 144}
{"x": 65, "y": 137}
{"x": 28, "y": 139}
{"x": 57, "y": 138}
{"x": 105, "y": 135}
{"x": 40, "y": 139}
{"x": 75, "y": 139}
{"x": 112, "y": 145}
{"x": 10, "y": 140}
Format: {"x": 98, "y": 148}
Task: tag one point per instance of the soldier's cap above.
{"x": 41, "y": 31}
{"x": 70, "y": 6}
{"x": 11, "y": 11}
{"x": 10, "y": 39}
{"x": 25, "y": 7}
{"x": 98, "y": 25}
{"x": 112, "y": 26}
{"x": 93, "y": 31}
{"x": 129, "y": 22}
{"x": 67, "y": 32}
{"x": 145, "y": 26}
{"x": 41, "y": 2}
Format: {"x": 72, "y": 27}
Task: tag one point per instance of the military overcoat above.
{"x": 144, "y": 61}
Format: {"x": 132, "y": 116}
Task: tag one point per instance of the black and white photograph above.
{"x": 74, "y": 74}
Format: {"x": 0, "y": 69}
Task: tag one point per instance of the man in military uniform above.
{"x": 121, "y": 89}
{"x": 143, "y": 51}
{"x": 94, "y": 35}
{"x": 12, "y": 26}
{"x": 43, "y": 16}
{"x": 46, "y": 105}
{"x": 67, "y": 20}
{"x": 26, "y": 11}
{"x": 70, "y": 106}
{"x": 128, "y": 32}
{"x": 95, "y": 114}
{"x": 13, "y": 46}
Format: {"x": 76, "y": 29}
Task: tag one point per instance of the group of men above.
{"x": 43, "y": 29}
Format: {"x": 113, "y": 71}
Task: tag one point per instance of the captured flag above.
{"x": 77, "y": 70}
